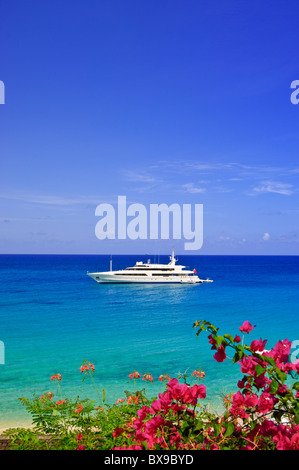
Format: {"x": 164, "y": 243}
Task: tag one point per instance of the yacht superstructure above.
{"x": 150, "y": 273}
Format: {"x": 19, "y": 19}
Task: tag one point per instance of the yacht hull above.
{"x": 105, "y": 278}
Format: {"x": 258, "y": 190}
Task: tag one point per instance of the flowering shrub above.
{"x": 265, "y": 411}
{"x": 158, "y": 425}
{"x": 80, "y": 424}
{"x": 262, "y": 414}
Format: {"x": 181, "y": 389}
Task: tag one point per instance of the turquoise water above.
{"x": 53, "y": 316}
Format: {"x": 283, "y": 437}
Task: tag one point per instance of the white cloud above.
{"x": 250, "y": 180}
{"x": 142, "y": 177}
{"x": 50, "y": 200}
{"x": 266, "y": 236}
{"x": 190, "y": 188}
{"x": 274, "y": 187}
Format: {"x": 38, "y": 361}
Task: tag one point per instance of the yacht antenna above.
{"x": 110, "y": 262}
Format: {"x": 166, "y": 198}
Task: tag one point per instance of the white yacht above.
{"x": 150, "y": 273}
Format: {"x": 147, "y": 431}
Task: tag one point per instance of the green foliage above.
{"x": 60, "y": 426}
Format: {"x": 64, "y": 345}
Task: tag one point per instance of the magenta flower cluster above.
{"x": 262, "y": 414}
{"x": 154, "y": 425}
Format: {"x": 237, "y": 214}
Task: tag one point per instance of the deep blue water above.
{"x": 53, "y": 316}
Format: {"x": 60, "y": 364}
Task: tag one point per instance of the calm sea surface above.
{"x": 53, "y": 316}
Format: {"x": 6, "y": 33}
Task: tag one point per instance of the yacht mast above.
{"x": 172, "y": 258}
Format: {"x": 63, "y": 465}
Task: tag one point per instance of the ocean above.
{"x": 53, "y": 317}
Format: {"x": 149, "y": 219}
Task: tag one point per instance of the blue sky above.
{"x": 161, "y": 101}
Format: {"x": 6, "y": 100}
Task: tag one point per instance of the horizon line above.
{"x": 135, "y": 254}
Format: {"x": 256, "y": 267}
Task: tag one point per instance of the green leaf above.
{"x": 186, "y": 428}
{"x": 229, "y": 337}
{"x": 213, "y": 327}
{"x": 199, "y": 426}
{"x": 218, "y": 428}
{"x": 274, "y": 387}
{"x": 296, "y": 411}
{"x": 281, "y": 375}
{"x": 239, "y": 353}
{"x": 296, "y": 386}
{"x": 236, "y": 358}
{"x": 229, "y": 429}
{"x": 219, "y": 340}
{"x": 200, "y": 324}
{"x": 270, "y": 360}
{"x": 259, "y": 370}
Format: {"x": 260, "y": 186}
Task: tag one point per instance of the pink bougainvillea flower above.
{"x": 150, "y": 430}
{"x": 213, "y": 342}
{"x": 214, "y": 447}
{"x": 175, "y": 438}
{"x": 295, "y": 441}
{"x": 172, "y": 383}
{"x": 282, "y": 439}
{"x": 258, "y": 345}
{"x": 282, "y": 350}
{"x": 287, "y": 438}
{"x": 165, "y": 400}
{"x": 177, "y": 390}
{"x": 142, "y": 413}
{"x": 268, "y": 428}
{"x": 282, "y": 389}
{"x": 289, "y": 367}
{"x": 246, "y": 327}
{"x": 266, "y": 402}
{"x": 197, "y": 391}
{"x": 242, "y": 403}
{"x": 241, "y": 383}
{"x": 237, "y": 339}
{"x": 248, "y": 365}
{"x": 220, "y": 355}
{"x": 156, "y": 406}
{"x": 261, "y": 381}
